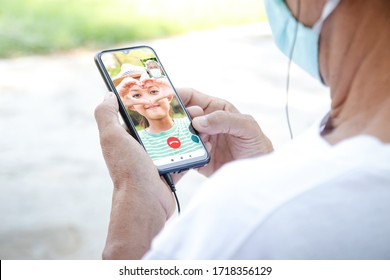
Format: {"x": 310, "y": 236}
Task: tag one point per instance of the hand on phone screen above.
{"x": 129, "y": 97}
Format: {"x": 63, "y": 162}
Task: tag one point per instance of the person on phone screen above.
{"x": 324, "y": 195}
{"x": 154, "y": 69}
{"x": 162, "y": 134}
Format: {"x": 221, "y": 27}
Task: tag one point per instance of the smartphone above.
{"x": 151, "y": 108}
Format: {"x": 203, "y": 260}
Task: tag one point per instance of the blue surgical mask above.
{"x": 284, "y": 29}
{"x": 156, "y": 73}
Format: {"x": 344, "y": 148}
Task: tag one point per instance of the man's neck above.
{"x": 360, "y": 85}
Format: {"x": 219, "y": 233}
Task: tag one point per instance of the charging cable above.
{"x": 167, "y": 177}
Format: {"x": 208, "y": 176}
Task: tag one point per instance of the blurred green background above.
{"x": 45, "y": 26}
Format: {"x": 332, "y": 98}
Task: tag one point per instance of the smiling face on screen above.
{"x": 155, "y": 110}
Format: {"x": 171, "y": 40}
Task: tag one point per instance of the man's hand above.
{"x": 141, "y": 201}
{"x": 228, "y": 134}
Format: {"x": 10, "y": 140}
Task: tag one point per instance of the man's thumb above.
{"x": 106, "y": 113}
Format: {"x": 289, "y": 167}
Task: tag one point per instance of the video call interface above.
{"x": 151, "y": 102}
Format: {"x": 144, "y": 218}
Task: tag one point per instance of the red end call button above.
{"x": 173, "y": 142}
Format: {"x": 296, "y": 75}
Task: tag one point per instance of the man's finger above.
{"x": 191, "y": 97}
{"x": 195, "y": 111}
{"x": 220, "y": 122}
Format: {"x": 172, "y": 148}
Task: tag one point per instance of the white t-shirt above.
{"x": 308, "y": 200}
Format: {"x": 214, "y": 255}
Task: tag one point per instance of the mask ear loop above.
{"x": 289, "y": 68}
{"x": 329, "y": 7}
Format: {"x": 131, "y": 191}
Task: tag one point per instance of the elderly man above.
{"x": 325, "y": 195}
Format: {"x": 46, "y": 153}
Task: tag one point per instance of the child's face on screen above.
{"x": 157, "y": 109}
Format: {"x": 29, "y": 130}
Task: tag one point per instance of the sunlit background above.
{"x": 41, "y": 26}
{"x": 55, "y": 191}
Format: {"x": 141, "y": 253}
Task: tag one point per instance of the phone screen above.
{"x": 156, "y": 112}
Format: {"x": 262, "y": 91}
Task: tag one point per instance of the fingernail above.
{"x": 203, "y": 121}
